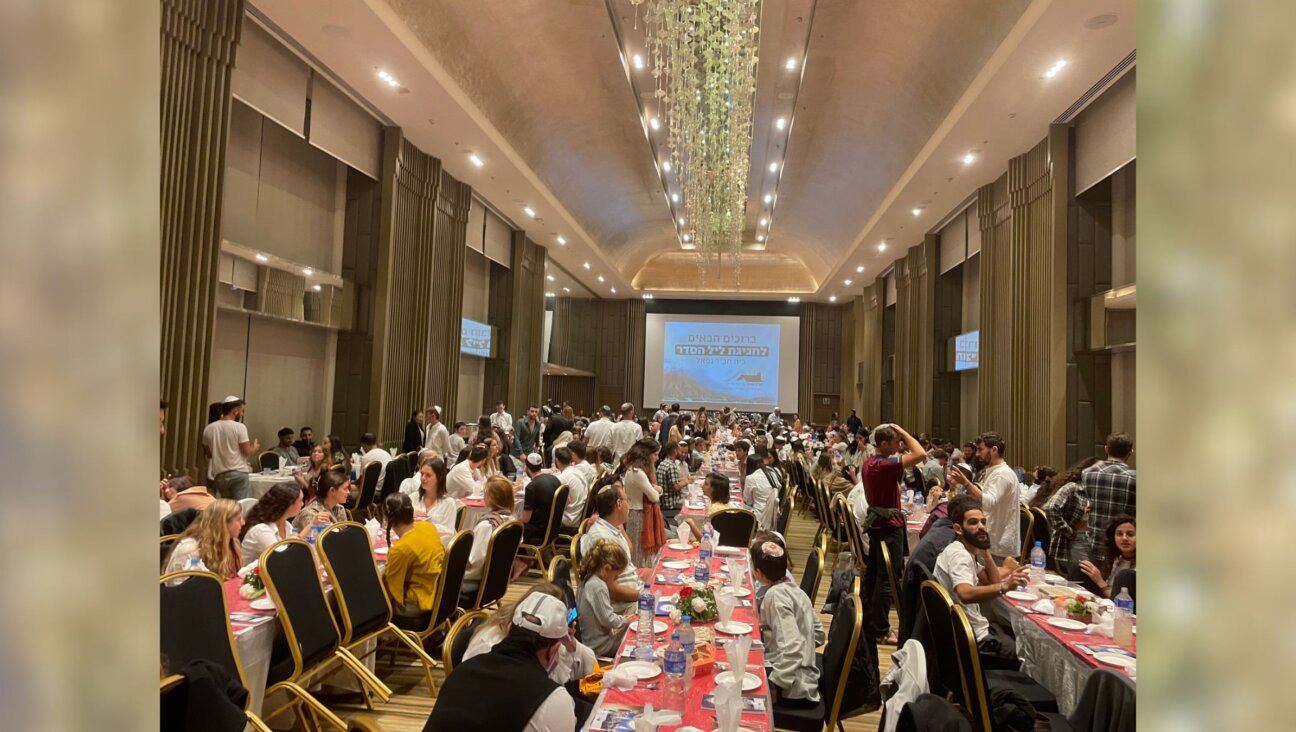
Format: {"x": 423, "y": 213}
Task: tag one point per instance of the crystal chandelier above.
{"x": 703, "y": 57}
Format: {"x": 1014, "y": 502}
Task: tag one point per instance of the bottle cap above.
{"x": 689, "y": 619}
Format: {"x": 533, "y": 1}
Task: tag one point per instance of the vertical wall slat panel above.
{"x": 868, "y": 349}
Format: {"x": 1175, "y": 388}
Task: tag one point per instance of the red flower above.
{"x": 686, "y": 593}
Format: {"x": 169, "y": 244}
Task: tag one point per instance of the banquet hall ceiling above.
{"x": 881, "y": 81}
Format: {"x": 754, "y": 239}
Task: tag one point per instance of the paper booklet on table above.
{"x": 1092, "y": 648}
{"x": 749, "y": 703}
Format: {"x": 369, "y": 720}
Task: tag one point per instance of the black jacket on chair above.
{"x": 208, "y": 701}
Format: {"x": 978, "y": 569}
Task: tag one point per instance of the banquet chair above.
{"x": 1026, "y": 524}
{"x": 460, "y": 514}
{"x": 785, "y": 514}
{"x": 177, "y": 521}
{"x": 268, "y": 461}
{"x": 844, "y": 522}
{"x": 498, "y": 569}
{"x": 928, "y": 712}
{"x": 447, "y": 600}
{"x": 834, "y": 676}
{"x": 1041, "y": 532}
{"x": 1106, "y": 705}
{"x": 310, "y": 643}
{"x": 1124, "y": 579}
{"x": 812, "y": 574}
{"x": 246, "y": 504}
{"x": 398, "y": 470}
{"x": 735, "y": 526}
{"x": 195, "y": 625}
{"x": 458, "y": 637}
{"x": 361, "y": 506}
{"x": 361, "y": 598}
{"x": 937, "y": 606}
{"x": 978, "y": 684}
{"x": 547, "y": 542}
{"x": 576, "y": 546}
{"x": 892, "y": 579}
{"x": 166, "y": 544}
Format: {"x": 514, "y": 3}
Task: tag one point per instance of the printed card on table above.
{"x": 750, "y": 703}
{"x": 613, "y": 719}
{"x": 1092, "y": 648}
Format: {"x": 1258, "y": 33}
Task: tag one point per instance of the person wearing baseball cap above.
{"x": 470, "y": 700}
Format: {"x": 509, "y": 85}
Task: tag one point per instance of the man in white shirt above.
{"x": 626, "y": 432}
{"x": 500, "y": 419}
{"x": 968, "y": 572}
{"x": 438, "y": 437}
{"x": 227, "y": 446}
{"x": 458, "y": 441}
{"x": 371, "y": 453}
{"x": 997, "y": 492}
{"x": 760, "y": 493}
{"x": 613, "y": 509}
{"x": 599, "y": 433}
{"x": 460, "y": 481}
{"x": 775, "y": 419}
{"x": 577, "y": 486}
{"x": 578, "y": 461}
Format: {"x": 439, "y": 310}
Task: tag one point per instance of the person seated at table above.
{"x": 790, "y": 630}
{"x": 319, "y": 462}
{"x": 968, "y": 572}
{"x": 715, "y": 486}
{"x": 761, "y": 490}
{"x": 336, "y": 452}
{"x": 370, "y": 452}
{"x": 537, "y": 501}
{"x": 499, "y": 506}
{"x": 827, "y": 475}
{"x": 760, "y": 537}
{"x": 612, "y": 509}
{"x": 1119, "y": 541}
{"x": 305, "y": 440}
{"x": 268, "y": 521}
{"x": 285, "y": 450}
{"x": 188, "y": 495}
{"x": 470, "y": 698}
{"x": 939, "y": 534}
{"x": 575, "y": 659}
{"x": 414, "y": 562}
{"x": 213, "y": 539}
{"x": 431, "y": 502}
{"x": 601, "y": 625}
{"x": 332, "y": 490}
{"x": 461, "y": 480}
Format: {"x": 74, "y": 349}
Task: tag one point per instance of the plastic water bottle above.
{"x": 1037, "y": 565}
{"x": 688, "y": 641}
{"x": 704, "y": 548}
{"x": 195, "y": 564}
{"x": 702, "y": 569}
{"x": 644, "y": 629}
{"x": 677, "y": 681}
{"x": 1123, "y": 622}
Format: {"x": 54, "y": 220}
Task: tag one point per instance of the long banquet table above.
{"x": 652, "y": 690}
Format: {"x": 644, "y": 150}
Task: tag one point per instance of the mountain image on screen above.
{"x": 678, "y": 386}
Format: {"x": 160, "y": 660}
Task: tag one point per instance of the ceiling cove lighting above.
{"x": 561, "y": 240}
{"x": 647, "y": 296}
{"x": 780, "y": 123}
{"x": 475, "y": 160}
{"x": 388, "y": 79}
{"x": 316, "y": 288}
{"x": 1055, "y": 68}
{"x": 969, "y": 159}
{"x": 794, "y": 299}
{"x": 262, "y": 258}
{"x": 529, "y": 211}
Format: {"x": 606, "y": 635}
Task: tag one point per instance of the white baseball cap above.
{"x": 545, "y": 614}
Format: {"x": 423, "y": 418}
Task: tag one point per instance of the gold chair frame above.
{"x": 536, "y": 551}
{"x": 459, "y": 626}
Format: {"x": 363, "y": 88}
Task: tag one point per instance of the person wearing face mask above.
{"x": 967, "y": 571}
{"x": 519, "y": 663}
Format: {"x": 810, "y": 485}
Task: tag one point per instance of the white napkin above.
{"x": 619, "y": 678}
{"x": 374, "y": 528}
{"x": 728, "y": 705}
{"x": 1044, "y": 606}
{"x": 735, "y": 577}
{"x": 736, "y": 653}
{"x": 1106, "y": 620}
{"x": 684, "y": 533}
{"x": 725, "y": 602}
{"x": 649, "y": 720}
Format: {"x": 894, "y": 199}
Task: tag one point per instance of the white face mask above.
{"x": 553, "y": 661}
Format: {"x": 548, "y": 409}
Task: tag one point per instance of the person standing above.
{"x": 775, "y": 419}
{"x": 854, "y": 423}
{"x": 227, "y": 446}
{"x": 997, "y": 492}
{"x": 625, "y": 433}
{"x": 437, "y": 436}
{"x": 670, "y": 483}
{"x": 415, "y": 432}
{"x": 880, "y": 476}
{"x": 500, "y": 419}
{"x": 526, "y": 432}
{"x": 1110, "y": 487}
{"x": 599, "y": 433}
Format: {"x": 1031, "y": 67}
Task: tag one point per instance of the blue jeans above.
{"x": 233, "y": 484}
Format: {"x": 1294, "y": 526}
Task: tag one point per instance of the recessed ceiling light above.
{"x": 917, "y": 212}
{"x": 794, "y": 299}
{"x": 1055, "y": 68}
{"x": 773, "y": 167}
{"x": 600, "y": 278}
{"x": 687, "y": 237}
{"x": 882, "y": 247}
{"x": 969, "y": 159}
{"x": 476, "y": 160}
{"x": 316, "y": 288}
{"x": 790, "y": 64}
{"x": 262, "y": 258}
{"x": 647, "y": 296}
{"x": 529, "y": 211}
{"x": 760, "y": 237}
{"x": 681, "y": 221}
{"x": 549, "y": 294}
{"x": 613, "y": 290}
{"x": 832, "y": 298}
{"x": 769, "y": 198}
{"x": 587, "y": 265}
{"x": 561, "y": 240}
{"x": 638, "y": 61}
{"x": 859, "y": 269}
{"x": 764, "y": 221}
{"x": 666, "y": 166}
{"x": 308, "y": 271}
{"x": 846, "y": 282}
{"x": 653, "y": 123}
{"x": 388, "y": 79}
{"x": 549, "y": 277}
{"x": 567, "y": 289}
{"x": 674, "y": 198}
{"x": 780, "y": 123}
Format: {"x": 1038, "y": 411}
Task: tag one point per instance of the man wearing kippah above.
{"x": 538, "y": 499}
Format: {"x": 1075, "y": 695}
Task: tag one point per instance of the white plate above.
{"x": 739, "y": 592}
{"x": 734, "y": 627}
{"x": 731, "y": 550}
{"x": 676, "y": 564}
{"x": 1023, "y": 596}
{"x": 641, "y": 669}
{"x": 381, "y": 551}
{"x": 679, "y": 547}
{"x": 1054, "y": 579}
{"x": 263, "y": 603}
{"x": 1066, "y": 624}
{"x": 658, "y": 627}
{"x": 750, "y": 681}
{"x": 1134, "y": 630}
{"x": 1115, "y": 659}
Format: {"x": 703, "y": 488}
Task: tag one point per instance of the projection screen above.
{"x": 749, "y": 362}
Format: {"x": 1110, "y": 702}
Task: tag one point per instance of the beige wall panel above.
{"x": 1105, "y": 133}
{"x": 271, "y": 79}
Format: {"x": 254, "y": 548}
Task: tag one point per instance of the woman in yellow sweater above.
{"x": 414, "y": 561}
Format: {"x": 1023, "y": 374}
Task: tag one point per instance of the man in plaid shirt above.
{"x": 1109, "y": 486}
{"x": 670, "y": 483}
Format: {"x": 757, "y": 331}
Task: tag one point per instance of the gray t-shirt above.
{"x": 601, "y": 626}
{"x": 222, "y": 439}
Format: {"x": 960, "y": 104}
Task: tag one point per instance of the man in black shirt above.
{"x": 537, "y": 500}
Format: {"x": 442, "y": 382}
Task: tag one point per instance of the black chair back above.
{"x": 1124, "y": 579}
{"x": 560, "y": 574}
{"x": 735, "y": 526}
{"x": 195, "y": 623}
{"x": 892, "y": 578}
{"x": 498, "y": 571}
{"x": 460, "y": 514}
{"x": 936, "y": 604}
{"x": 785, "y": 514}
{"x": 556, "y": 508}
{"x": 843, "y": 642}
{"x": 1106, "y": 704}
{"x": 453, "y": 567}
{"x": 976, "y": 697}
{"x": 177, "y": 521}
{"x": 915, "y": 573}
{"x": 1026, "y": 530}
{"x": 931, "y": 712}
{"x": 458, "y": 638}
{"x": 293, "y": 581}
{"x": 268, "y": 461}
{"x": 405, "y": 467}
{"x": 368, "y": 483}
{"x": 362, "y": 600}
{"x": 810, "y": 577}
{"x": 1040, "y": 531}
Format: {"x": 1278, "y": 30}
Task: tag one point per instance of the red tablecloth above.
{"x": 1072, "y": 638}
{"x": 702, "y": 685}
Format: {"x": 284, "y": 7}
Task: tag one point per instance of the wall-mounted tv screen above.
{"x": 475, "y": 338}
{"x": 967, "y": 347}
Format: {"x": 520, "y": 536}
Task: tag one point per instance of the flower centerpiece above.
{"x": 252, "y": 586}
{"x": 1081, "y": 607}
{"x": 697, "y": 600}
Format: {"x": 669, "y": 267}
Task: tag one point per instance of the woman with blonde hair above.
{"x": 575, "y": 659}
{"x": 212, "y": 539}
{"x": 601, "y": 626}
{"x": 827, "y": 475}
{"x": 498, "y": 496}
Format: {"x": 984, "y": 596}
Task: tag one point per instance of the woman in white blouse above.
{"x": 431, "y": 503}
{"x": 499, "y": 501}
{"x": 268, "y": 521}
{"x": 639, "y": 463}
{"x": 211, "y": 541}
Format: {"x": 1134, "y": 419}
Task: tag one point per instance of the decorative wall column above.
{"x": 526, "y": 334}
{"x": 915, "y": 362}
{"x": 198, "y": 43}
{"x": 868, "y": 351}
